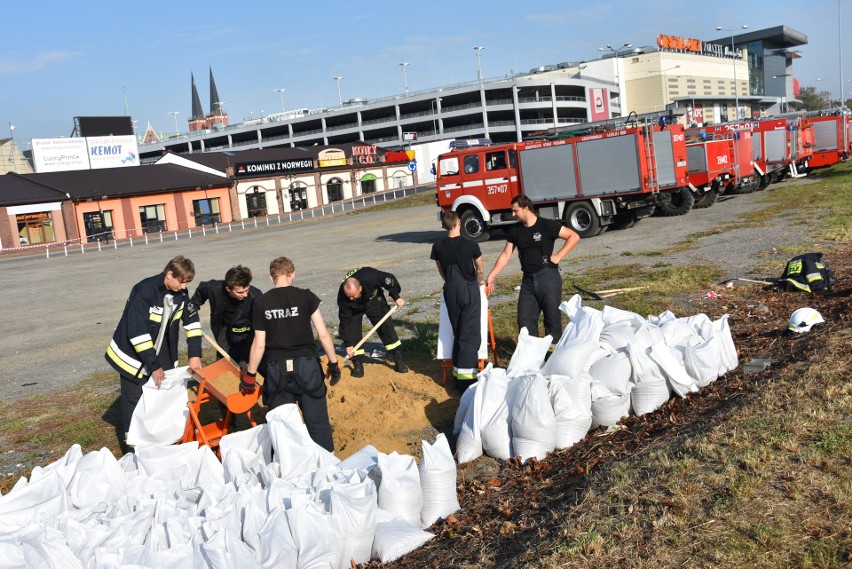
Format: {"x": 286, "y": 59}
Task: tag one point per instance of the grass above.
{"x": 426, "y": 197}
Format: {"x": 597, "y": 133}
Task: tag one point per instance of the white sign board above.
{"x": 409, "y": 136}
{"x": 112, "y": 151}
{"x": 60, "y": 154}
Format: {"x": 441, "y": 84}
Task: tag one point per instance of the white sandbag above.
{"x": 225, "y": 550}
{"x": 701, "y": 360}
{"x": 438, "y": 481}
{"x": 650, "y": 389}
{"x": 399, "y": 491}
{"x": 97, "y": 478}
{"x": 608, "y": 408}
{"x": 529, "y": 353}
{"x": 47, "y": 550}
{"x": 671, "y": 363}
{"x": 64, "y": 466}
{"x": 446, "y": 337}
{"x": 293, "y": 448}
{"x": 579, "y": 388}
{"x": 573, "y": 419}
{"x": 353, "y": 510}
{"x": 176, "y": 463}
{"x": 27, "y": 502}
{"x": 396, "y": 537}
{"x": 464, "y": 402}
{"x": 317, "y": 541}
{"x": 160, "y": 416}
{"x": 574, "y": 358}
{"x": 496, "y": 426}
{"x": 729, "y": 358}
{"x": 584, "y": 324}
{"x": 533, "y": 420}
{"x": 701, "y": 324}
{"x": 469, "y": 441}
{"x": 256, "y": 440}
{"x": 676, "y": 331}
{"x": 277, "y": 548}
{"x": 362, "y": 460}
{"x": 613, "y": 371}
{"x": 664, "y": 317}
{"x": 574, "y": 305}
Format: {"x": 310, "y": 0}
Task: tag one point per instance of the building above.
{"x": 12, "y": 159}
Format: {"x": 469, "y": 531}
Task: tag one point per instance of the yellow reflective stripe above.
{"x": 153, "y": 316}
{"x": 241, "y": 330}
{"x": 144, "y": 346}
{"x": 390, "y": 347}
{"x": 177, "y": 315}
{"x": 193, "y": 326}
{"x": 122, "y": 360}
{"x": 141, "y": 338}
{"x": 814, "y": 277}
{"x": 194, "y": 333}
{"x": 464, "y": 373}
{"x": 798, "y": 285}
{"x": 359, "y": 352}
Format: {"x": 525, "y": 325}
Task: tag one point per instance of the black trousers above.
{"x": 351, "y": 328}
{"x": 464, "y": 309}
{"x": 541, "y": 292}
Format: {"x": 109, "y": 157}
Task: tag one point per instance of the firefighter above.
{"x": 282, "y": 320}
{"x": 360, "y": 293}
{"x": 145, "y": 342}
{"x": 231, "y": 302}
{"x": 541, "y": 287}
{"x": 460, "y": 265}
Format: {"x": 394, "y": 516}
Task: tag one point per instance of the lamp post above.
{"x": 734, "y": 61}
{"x": 615, "y": 51}
{"x": 478, "y": 48}
{"x": 12, "y": 146}
{"x": 339, "y": 96}
{"x": 403, "y": 65}
{"x": 665, "y": 82}
{"x": 828, "y": 103}
{"x": 174, "y": 116}
{"x": 434, "y": 121}
{"x": 281, "y": 96}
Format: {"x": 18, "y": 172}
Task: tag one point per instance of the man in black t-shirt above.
{"x": 541, "y": 287}
{"x": 282, "y": 320}
{"x": 231, "y": 302}
{"x": 460, "y": 265}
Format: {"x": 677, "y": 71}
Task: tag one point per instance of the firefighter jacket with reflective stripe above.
{"x": 230, "y": 319}
{"x": 131, "y": 351}
{"x": 372, "y": 282}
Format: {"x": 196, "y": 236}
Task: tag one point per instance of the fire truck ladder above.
{"x": 651, "y": 157}
{"x": 631, "y": 120}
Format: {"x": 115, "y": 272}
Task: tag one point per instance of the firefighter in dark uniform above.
{"x": 145, "y": 342}
{"x": 282, "y": 320}
{"x": 362, "y": 292}
{"x": 460, "y": 265}
{"x": 231, "y": 302}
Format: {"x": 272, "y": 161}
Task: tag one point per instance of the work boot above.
{"x": 357, "y": 368}
{"x": 399, "y": 365}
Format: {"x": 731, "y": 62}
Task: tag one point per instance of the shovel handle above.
{"x": 372, "y": 331}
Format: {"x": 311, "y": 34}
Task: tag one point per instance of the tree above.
{"x": 811, "y": 100}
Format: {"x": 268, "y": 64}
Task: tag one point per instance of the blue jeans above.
{"x": 541, "y": 292}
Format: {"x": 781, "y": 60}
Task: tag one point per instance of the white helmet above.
{"x": 803, "y": 319}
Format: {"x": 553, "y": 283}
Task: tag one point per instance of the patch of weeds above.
{"x": 834, "y": 441}
{"x": 627, "y": 253}
{"x": 654, "y": 253}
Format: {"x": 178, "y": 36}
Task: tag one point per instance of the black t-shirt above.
{"x": 535, "y": 244}
{"x": 284, "y": 313}
{"x": 457, "y": 251}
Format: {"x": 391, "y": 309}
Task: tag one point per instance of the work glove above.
{"x": 333, "y": 371}
{"x": 248, "y": 383}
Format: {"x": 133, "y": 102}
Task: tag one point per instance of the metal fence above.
{"x": 94, "y": 244}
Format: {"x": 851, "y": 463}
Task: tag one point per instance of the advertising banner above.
{"x": 284, "y": 166}
{"x": 112, "y": 151}
{"x": 59, "y": 154}
{"x": 599, "y": 104}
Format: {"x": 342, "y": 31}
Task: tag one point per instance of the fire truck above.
{"x": 832, "y": 136}
{"x": 611, "y": 175}
{"x": 719, "y": 163}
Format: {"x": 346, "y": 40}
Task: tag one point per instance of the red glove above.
{"x": 248, "y": 383}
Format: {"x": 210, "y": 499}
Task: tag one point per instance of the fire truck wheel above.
{"x": 583, "y": 219}
{"x": 624, "y": 220}
{"x": 681, "y": 203}
{"x": 473, "y": 227}
{"x": 708, "y": 199}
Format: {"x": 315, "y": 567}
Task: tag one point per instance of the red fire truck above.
{"x": 719, "y": 163}
{"x": 605, "y": 178}
{"x": 832, "y": 134}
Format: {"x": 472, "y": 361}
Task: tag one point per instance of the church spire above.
{"x": 215, "y": 103}
{"x": 197, "y": 110}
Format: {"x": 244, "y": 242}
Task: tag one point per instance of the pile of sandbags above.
{"x": 608, "y": 364}
{"x": 275, "y": 500}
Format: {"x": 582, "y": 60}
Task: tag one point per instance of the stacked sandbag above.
{"x": 572, "y": 407}
{"x": 533, "y": 420}
{"x": 400, "y": 492}
{"x": 496, "y": 425}
{"x": 529, "y": 353}
{"x": 650, "y": 388}
{"x": 437, "y": 481}
{"x": 469, "y": 441}
{"x": 608, "y": 408}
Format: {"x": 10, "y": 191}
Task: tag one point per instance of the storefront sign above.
{"x": 332, "y": 157}
{"x": 599, "y": 104}
{"x": 364, "y": 155}
{"x": 59, "y": 154}
{"x": 273, "y": 167}
{"x": 677, "y": 43}
{"x": 112, "y": 151}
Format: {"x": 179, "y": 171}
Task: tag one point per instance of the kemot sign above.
{"x": 677, "y": 43}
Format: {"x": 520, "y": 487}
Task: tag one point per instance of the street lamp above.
{"x": 174, "y": 116}
{"x": 12, "y": 146}
{"x": 734, "y": 61}
{"x": 403, "y": 65}
{"x": 828, "y": 103}
{"x": 665, "y": 82}
{"x": 615, "y": 58}
{"x": 432, "y": 106}
{"x": 339, "y": 96}
{"x": 281, "y": 96}
{"x": 478, "y": 48}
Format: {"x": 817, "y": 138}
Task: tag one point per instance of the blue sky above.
{"x": 63, "y": 59}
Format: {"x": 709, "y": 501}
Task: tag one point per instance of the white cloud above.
{"x": 10, "y": 65}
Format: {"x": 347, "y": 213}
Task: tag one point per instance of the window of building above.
{"x": 98, "y": 225}
{"x": 153, "y": 218}
{"x": 256, "y": 201}
{"x": 368, "y": 184}
{"x": 298, "y": 197}
{"x": 335, "y": 190}
{"x": 206, "y": 211}
{"x": 35, "y": 228}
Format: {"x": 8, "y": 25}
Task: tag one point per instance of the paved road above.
{"x": 58, "y": 314}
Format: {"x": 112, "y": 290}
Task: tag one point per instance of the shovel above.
{"x": 755, "y": 281}
{"x": 371, "y": 332}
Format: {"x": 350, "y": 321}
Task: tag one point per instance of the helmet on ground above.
{"x": 803, "y": 319}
